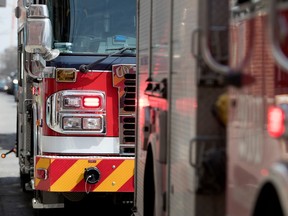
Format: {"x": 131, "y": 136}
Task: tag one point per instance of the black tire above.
{"x": 149, "y": 184}
{"x": 24, "y": 178}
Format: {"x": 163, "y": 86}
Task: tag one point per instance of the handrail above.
{"x": 207, "y": 56}
{"x": 279, "y": 57}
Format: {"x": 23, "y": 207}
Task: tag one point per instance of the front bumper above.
{"x": 67, "y": 174}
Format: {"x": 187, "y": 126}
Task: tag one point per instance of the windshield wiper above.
{"x": 85, "y": 68}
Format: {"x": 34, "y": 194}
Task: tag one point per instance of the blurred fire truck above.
{"x": 212, "y": 104}
{"x": 257, "y": 181}
{"x": 178, "y": 132}
{"x": 77, "y": 90}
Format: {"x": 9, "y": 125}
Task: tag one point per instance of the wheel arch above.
{"x": 153, "y": 180}
{"x": 268, "y": 201}
{"x": 272, "y": 195}
{"x": 149, "y": 183}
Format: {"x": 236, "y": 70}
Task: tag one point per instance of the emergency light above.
{"x": 92, "y": 102}
{"x": 276, "y": 121}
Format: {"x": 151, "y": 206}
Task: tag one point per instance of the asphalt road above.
{"x": 12, "y": 200}
{"x": 15, "y": 202}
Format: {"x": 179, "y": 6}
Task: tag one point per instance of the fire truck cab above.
{"x": 76, "y": 108}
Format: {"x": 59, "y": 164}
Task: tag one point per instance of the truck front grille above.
{"x": 124, "y": 78}
{"x": 127, "y": 116}
{"x": 130, "y": 93}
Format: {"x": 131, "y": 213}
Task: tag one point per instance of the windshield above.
{"x": 92, "y": 26}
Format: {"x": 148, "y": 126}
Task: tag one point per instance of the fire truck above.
{"x": 257, "y": 133}
{"x": 77, "y": 95}
{"x": 181, "y": 139}
{"x": 212, "y": 105}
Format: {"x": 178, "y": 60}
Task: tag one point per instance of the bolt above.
{"x": 113, "y": 183}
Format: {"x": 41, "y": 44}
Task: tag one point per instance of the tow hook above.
{"x": 10, "y": 151}
{"x": 92, "y": 175}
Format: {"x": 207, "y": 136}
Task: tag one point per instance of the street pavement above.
{"x": 13, "y": 202}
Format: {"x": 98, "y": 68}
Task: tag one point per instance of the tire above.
{"x": 24, "y": 178}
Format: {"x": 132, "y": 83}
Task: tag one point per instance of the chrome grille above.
{"x": 130, "y": 93}
{"x": 127, "y": 122}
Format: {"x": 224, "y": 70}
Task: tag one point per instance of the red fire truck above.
{"x": 257, "y": 180}
{"x": 77, "y": 90}
{"x": 211, "y": 132}
{"x": 180, "y": 153}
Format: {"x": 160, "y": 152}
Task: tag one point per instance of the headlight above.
{"x": 72, "y": 102}
{"x": 70, "y": 123}
{"x": 92, "y": 123}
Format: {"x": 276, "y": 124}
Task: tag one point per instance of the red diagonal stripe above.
{"x": 58, "y": 167}
{"x": 43, "y": 185}
{"x": 128, "y": 186}
{"x": 105, "y": 168}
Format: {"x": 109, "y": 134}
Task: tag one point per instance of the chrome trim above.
{"x": 80, "y": 145}
{"x": 38, "y": 205}
{"x": 205, "y": 33}
{"x": 38, "y": 11}
{"x": 83, "y": 131}
{"x": 49, "y": 72}
{"x": 55, "y": 111}
{"x": 35, "y": 129}
{"x": 204, "y": 38}
{"x": 83, "y": 93}
{"x": 39, "y": 35}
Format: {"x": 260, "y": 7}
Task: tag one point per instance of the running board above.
{"x": 37, "y": 205}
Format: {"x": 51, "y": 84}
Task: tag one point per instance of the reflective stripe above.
{"x": 66, "y": 174}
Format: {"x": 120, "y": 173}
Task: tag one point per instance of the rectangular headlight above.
{"x": 72, "y": 102}
{"x": 71, "y": 123}
{"x": 92, "y": 123}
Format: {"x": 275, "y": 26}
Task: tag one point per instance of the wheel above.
{"x": 24, "y": 178}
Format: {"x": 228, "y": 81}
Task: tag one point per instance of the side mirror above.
{"x": 39, "y": 33}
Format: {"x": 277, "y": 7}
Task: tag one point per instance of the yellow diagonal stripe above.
{"x": 119, "y": 177}
{"x": 72, "y": 176}
{"x": 44, "y": 164}
{"x": 117, "y": 80}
